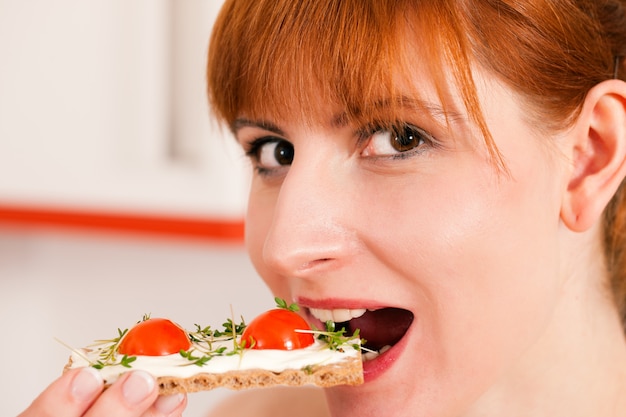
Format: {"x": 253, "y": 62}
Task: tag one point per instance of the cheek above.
{"x": 259, "y": 219}
{"x": 509, "y": 268}
{"x": 257, "y": 224}
{"x": 480, "y": 252}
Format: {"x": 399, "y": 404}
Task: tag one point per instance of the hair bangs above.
{"x": 285, "y": 59}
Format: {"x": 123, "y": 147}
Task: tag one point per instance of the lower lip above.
{"x": 375, "y": 368}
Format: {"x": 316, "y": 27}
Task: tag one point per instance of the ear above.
{"x": 598, "y": 155}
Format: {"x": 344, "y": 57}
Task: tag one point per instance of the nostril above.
{"x": 314, "y": 264}
{"x": 299, "y": 258}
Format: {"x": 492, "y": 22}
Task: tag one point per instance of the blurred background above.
{"x": 119, "y": 195}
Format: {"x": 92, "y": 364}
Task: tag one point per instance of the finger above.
{"x": 131, "y": 396}
{"x": 68, "y": 396}
{"x": 168, "y": 406}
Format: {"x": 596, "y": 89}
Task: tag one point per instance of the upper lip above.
{"x": 335, "y": 304}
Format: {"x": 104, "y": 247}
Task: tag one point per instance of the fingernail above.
{"x": 86, "y": 384}
{"x": 137, "y": 387}
{"x": 168, "y": 403}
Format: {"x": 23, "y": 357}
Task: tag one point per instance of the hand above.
{"x": 79, "y": 393}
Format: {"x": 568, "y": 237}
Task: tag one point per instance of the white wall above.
{"x": 103, "y": 105}
{"x": 82, "y": 287}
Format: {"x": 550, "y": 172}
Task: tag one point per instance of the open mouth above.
{"x": 381, "y": 328}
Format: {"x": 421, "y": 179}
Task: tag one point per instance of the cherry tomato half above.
{"x": 276, "y": 329}
{"x": 154, "y": 337}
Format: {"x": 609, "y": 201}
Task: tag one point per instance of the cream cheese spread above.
{"x": 247, "y": 359}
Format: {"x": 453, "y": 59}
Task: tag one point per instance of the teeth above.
{"x": 338, "y": 315}
{"x": 368, "y": 355}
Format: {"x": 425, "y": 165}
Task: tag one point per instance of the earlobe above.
{"x": 598, "y": 155}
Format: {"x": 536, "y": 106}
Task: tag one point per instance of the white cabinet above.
{"x": 102, "y": 107}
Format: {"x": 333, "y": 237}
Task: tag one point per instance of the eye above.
{"x": 395, "y": 140}
{"x": 270, "y": 153}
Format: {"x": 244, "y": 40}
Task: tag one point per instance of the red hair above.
{"x": 266, "y": 55}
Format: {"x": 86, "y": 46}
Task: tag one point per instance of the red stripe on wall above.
{"x": 209, "y": 229}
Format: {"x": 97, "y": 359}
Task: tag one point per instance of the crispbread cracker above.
{"x": 347, "y": 372}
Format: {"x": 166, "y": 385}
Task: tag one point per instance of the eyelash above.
{"x": 253, "y": 147}
{"x": 397, "y": 129}
{"x": 365, "y": 137}
{"x": 253, "y": 150}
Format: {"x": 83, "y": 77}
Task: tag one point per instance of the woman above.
{"x": 454, "y": 169}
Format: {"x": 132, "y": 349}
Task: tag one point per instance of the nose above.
{"x": 310, "y": 231}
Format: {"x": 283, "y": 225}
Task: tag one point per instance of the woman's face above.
{"x": 458, "y": 258}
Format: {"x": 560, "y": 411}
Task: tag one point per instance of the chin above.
{"x": 354, "y": 401}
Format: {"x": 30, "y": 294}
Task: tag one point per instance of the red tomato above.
{"x": 154, "y": 337}
{"x": 276, "y": 329}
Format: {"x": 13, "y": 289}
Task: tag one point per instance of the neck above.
{"x": 578, "y": 367}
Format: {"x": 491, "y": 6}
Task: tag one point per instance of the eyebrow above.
{"x": 340, "y": 120}
{"x": 240, "y": 123}
{"x": 435, "y": 111}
